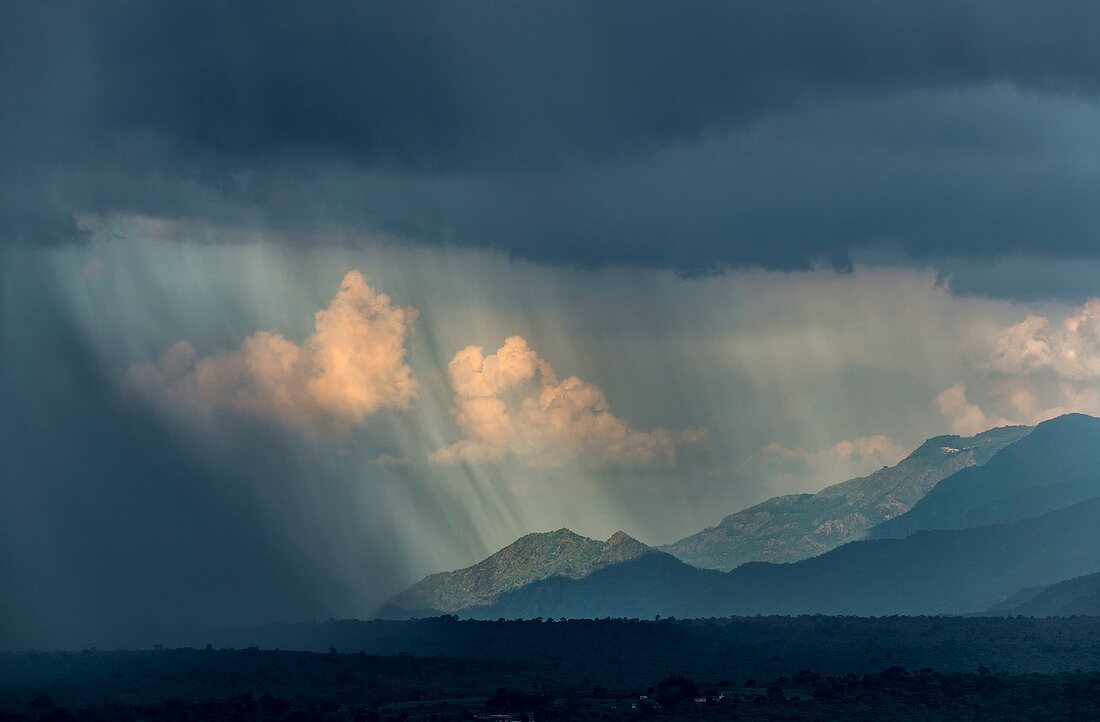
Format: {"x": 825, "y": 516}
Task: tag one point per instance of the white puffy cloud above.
{"x": 965, "y": 417}
{"x": 868, "y": 451}
{"x": 1070, "y": 349}
{"x": 511, "y": 405}
{"x": 351, "y": 366}
{"x": 1035, "y": 370}
{"x": 1016, "y": 401}
{"x": 844, "y": 459}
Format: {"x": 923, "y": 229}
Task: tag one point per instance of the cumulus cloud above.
{"x": 351, "y": 366}
{"x": 1071, "y": 349}
{"x": 847, "y": 458}
{"x": 965, "y": 417}
{"x": 1015, "y": 401}
{"x": 1036, "y": 369}
{"x": 512, "y": 405}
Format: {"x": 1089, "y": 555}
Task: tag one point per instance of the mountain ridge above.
{"x": 1056, "y": 465}
{"x": 955, "y": 571}
{"x": 1076, "y": 596}
{"x": 1009, "y": 559}
{"x": 798, "y": 526}
{"x": 531, "y": 558}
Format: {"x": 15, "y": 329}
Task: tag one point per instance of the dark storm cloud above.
{"x": 543, "y": 129}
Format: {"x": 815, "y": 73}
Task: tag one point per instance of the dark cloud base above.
{"x": 561, "y": 131}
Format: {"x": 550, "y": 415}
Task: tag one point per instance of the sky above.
{"x": 299, "y": 305}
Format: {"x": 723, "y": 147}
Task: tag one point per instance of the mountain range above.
{"x": 1052, "y": 467}
{"x": 799, "y": 526}
{"x": 1002, "y": 522}
{"x": 954, "y": 571}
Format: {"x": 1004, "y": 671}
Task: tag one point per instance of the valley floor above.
{"x": 766, "y": 668}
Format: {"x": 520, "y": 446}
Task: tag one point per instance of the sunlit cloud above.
{"x": 805, "y": 359}
{"x": 351, "y": 366}
{"x": 842, "y": 460}
{"x": 511, "y": 404}
{"x": 1035, "y": 370}
{"x": 1070, "y": 349}
{"x": 1016, "y": 401}
{"x": 965, "y": 418}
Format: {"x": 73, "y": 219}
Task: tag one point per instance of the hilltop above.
{"x": 529, "y": 559}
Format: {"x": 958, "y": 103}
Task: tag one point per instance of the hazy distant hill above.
{"x": 1056, "y": 465}
{"x": 931, "y": 572}
{"x": 794, "y": 527}
{"x": 529, "y": 559}
{"x": 1080, "y": 595}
